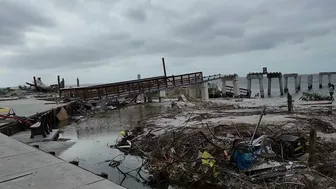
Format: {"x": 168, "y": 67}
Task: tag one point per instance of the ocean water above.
{"x": 275, "y": 89}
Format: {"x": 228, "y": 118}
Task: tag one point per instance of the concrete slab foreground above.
{"x": 25, "y": 167}
{"x": 12, "y": 147}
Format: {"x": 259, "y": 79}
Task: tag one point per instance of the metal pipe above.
{"x": 257, "y": 127}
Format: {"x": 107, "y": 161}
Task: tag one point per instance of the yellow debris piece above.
{"x": 207, "y": 159}
{"x": 4, "y": 111}
{"x": 123, "y": 133}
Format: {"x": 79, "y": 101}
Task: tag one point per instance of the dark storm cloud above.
{"x": 91, "y": 33}
{"x": 16, "y": 18}
{"x": 94, "y": 52}
{"x": 136, "y": 14}
{"x": 233, "y": 32}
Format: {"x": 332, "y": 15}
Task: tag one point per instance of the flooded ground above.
{"x": 94, "y": 136}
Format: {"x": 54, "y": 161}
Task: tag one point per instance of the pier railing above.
{"x": 133, "y": 87}
{"x": 244, "y": 93}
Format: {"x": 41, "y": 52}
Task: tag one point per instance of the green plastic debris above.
{"x": 207, "y": 159}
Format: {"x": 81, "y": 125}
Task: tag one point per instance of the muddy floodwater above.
{"x": 94, "y": 136}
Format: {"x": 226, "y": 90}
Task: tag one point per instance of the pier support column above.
{"x": 249, "y": 86}
{"x": 329, "y": 79}
{"x": 296, "y": 83}
{"x": 281, "y": 86}
{"x": 299, "y": 84}
{"x": 320, "y": 81}
{"x": 236, "y": 90}
{"x": 192, "y": 91}
{"x": 269, "y": 88}
{"x": 310, "y": 82}
{"x": 204, "y": 91}
{"x": 161, "y": 94}
{"x": 141, "y": 95}
{"x": 286, "y": 84}
{"x": 158, "y": 95}
{"x": 224, "y": 87}
{"x": 261, "y": 85}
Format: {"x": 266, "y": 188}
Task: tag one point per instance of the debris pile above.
{"x": 314, "y": 97}
{"x": 231, "y": 156}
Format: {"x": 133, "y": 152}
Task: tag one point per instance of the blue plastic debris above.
{"x": 243, "y": 160}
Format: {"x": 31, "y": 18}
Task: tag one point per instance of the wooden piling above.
{"x": 63, "y": 83}
{"x": 296, "y": 84}
{"x": 164, "y": 67}
{"x": 59, "y": 81}
{"x": 269, "y": 89}
{"x": 164, "y": 70}
{"x": 312, "y": 148}
{"x": 289, "y": 103}
{"x": 286, "y": 84}
{"x": 35, "y": 83}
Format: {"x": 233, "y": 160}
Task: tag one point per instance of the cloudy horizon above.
{"x": 114, "y": 40}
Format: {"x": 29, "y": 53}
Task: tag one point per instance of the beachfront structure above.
{"x": 296, "y": 81}
{"x": 321, "y": 74}
{"x": 277, "y": 75}
{"x": 260, "y": 77}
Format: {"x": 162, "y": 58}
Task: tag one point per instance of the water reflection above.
{"x": 95, "y": 135}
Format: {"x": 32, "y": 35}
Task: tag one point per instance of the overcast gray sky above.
{"x": 114, "y": 40}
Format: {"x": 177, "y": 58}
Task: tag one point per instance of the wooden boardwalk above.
{"x": 132, "y": 87}
{"x": 22, "y": 166}
{"x": 146, "y": 85}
